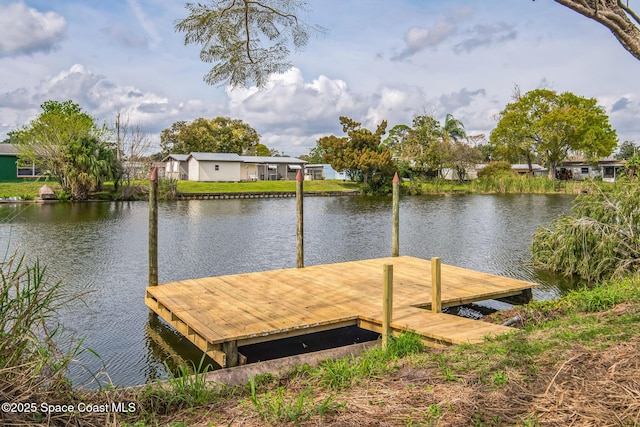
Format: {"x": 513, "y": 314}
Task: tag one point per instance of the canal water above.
{"x": 99, "y": 250}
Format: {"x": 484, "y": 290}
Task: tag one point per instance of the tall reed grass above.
{"x": 32, "y": 365}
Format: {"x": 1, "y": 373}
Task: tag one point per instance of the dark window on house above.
{"x": 217, "y": 167}
{"x": 609, "y": 172}
{"x": 28, "y": 171}
{"x": 584, "y": 171}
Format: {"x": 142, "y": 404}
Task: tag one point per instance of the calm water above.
{"x": 100, "y": 249}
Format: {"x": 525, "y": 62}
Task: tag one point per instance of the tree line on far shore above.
{"x": 540, "y": 126}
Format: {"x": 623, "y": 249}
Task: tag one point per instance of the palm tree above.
{"x": 453, "y": 129}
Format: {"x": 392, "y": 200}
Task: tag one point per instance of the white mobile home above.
{"x": 231, "y": 167}
{"x": 214, "y": 167}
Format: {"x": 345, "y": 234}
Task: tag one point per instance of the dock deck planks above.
{"x": 247, "y": 308}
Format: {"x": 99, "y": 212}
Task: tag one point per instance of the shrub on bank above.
{"x": 600, "y": 239}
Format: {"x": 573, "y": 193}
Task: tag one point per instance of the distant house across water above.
{"x": 608, "y": 169}
{"x": 11, "y": 170}
{"x": 323, "y": 171}
{"x": 231, "y": 167}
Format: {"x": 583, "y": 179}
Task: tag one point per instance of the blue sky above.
{"x": 378, "y": 60}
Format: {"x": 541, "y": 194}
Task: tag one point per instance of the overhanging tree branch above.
{"x": 618, "y": 17}
{"x": 246, "y": 40}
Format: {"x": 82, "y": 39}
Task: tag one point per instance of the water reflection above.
{"x": 100, "y": 250}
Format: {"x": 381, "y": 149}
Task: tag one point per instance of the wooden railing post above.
{"x": 300, "y": 220}
{"x": 395, "y": 229}
{"x": 387, "y": 303}
{"x": 153, "y": 228}
{"x": 436, "y": 285}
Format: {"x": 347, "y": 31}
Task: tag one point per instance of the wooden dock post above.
{"x": 387, "y": 303}
{"x": 299, "y": 220}
{"x": 230, "y": 350}
{"x": 153, "y": 228}
{"x": 395, "y": 233}
{"x": 436, "y": 285}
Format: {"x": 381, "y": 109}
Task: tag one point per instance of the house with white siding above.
{"x": 231, "y": 167}
{"x": 214, "y": 167}
{"x": 176, "y": 166}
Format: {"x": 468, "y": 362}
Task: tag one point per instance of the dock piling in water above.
{"x": 395, "y": 230}
{"x": 153, "y": 228}
{"x": 299, "y": 220}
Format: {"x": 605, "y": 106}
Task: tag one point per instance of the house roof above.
{"x": 8, "y": 150}
{"x": 272, "y": 160}
{"x": 534, "y": 166}
{"x": 178, "y": 157}
{"x": 216, "y": 157}
{"x": 233, "y": 157}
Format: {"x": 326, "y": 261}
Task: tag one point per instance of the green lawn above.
{"x": 28, "y": 190}
{"x": 263, "y": 186}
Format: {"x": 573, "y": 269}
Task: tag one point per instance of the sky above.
{"x": 377, "y": 60}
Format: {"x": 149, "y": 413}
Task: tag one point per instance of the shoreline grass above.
{"x": 28, "y": 190}
{"x": 574, "y": 360}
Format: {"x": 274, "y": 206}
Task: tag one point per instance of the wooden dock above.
{"x": 219, "y": 314}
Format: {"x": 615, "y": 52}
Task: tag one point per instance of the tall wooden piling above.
{"x": 299, "y": 220}
{"x": 395, "y": 231}
{"x": 387, "y": 303}
{"x": 436, "y": 285}
{"x": 153, "y": 228}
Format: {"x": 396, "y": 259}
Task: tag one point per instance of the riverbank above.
{"x": 572, "y": 361}
{"x": 513, "y": 184}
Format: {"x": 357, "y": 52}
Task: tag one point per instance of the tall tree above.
{"x": 542, "y": 124}
{"x": 453, "y": 129}
{"x": 132, "y": 149}
{"x": 66, "y": 144}
{"x": 218, "y": 135}
{"x": 361, "y": 154}
{"x": 627, "y": 149}
{"x": 247, "y": 40}
{"x": 461, "y": 157}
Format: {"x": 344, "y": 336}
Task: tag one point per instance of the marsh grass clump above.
{"x": 32, "y": 365}
{"x": 599, "y": 240}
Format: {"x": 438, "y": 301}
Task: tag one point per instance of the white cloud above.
{"x": 25, "y": 31}
{"x": 420, "y": 38}
{"x": 486, "y": 35}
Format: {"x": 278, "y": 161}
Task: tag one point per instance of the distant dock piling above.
{"x": 299, "y": 220}
{"x": 153, "y": 228}
{"x": 395, "y": 229}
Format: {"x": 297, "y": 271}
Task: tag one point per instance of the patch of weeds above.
{"x": 531, "y": 421}
{"x": 448, "y": 374}
{"x": 500, "y": 378}
{"x": 404, "y": 345}
{"x": 277, "y": 407}
{"x": 182, "y": 390}
{"x": 337, "y": 374}
{"x": 434, "y": 411}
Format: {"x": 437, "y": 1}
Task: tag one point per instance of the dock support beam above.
{"x": 230, "y": 350}
{"x": 300, "y": 220}
{"x": 153, "y": 228}
{"x": 387, "y": 303}
{"x": 436, "y": 285}
{"x": 395, "y": 230}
